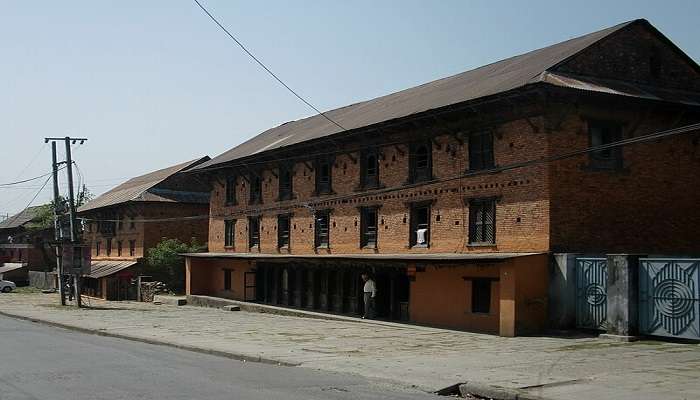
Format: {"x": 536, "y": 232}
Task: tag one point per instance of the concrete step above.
{"x": 170, "y": 300}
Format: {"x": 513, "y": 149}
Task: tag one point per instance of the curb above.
{"x": 219, "y": 353}
{"x": 497, "y": 392}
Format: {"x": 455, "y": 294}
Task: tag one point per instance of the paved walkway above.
{"x": 553, "y": 367}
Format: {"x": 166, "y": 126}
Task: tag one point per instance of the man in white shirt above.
{"x": 370, "y": 292}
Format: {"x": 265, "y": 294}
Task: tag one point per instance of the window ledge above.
{"x": 481, "y": 245}
{"x": 420, "y": 246}
{"x": 231, "y": 204}
{"x": 229, "y": 247}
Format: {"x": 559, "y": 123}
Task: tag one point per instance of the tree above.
{"x": 164, "y": 262}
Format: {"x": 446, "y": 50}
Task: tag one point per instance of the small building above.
{"x": 23, "y": 241}
{"x": 455, "y": 194}
{"x": 123, "y": 223}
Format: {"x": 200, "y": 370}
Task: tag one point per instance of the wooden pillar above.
{"x": 339, "y": 289}
{"x": 310, "y": 281}
{"x": 323, "y": 289}
{"x": 392, "y": 294}
{"x": 298, "y": 286}
{"x": 265, "y": 284}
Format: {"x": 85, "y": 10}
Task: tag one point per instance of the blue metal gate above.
{"x": 669, "y": 293}
{"x": 591, "y": 292}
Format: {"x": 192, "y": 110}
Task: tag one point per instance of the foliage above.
{"x": 45, "y": 215}
{"x": 164, "y": 262}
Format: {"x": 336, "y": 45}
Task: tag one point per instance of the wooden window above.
{"x": 368, "y": 225}
{"x": 322, "y": 228}
{"x": 481, "y": 150}
{"x": 324, "y": 176}
{"x": 227, "y": 279}
{"x": 254, "y": 231}
{"x": 109, "y": 247}
{"x": 119, "y": 248}
{"x": 229, "y": 232}
{"x": 481, "y": 295}
{"x": 132, "y": 224}
{"x": 230, "y": 196}
{"x": 255, "y": 189}
{"x": 97, "y": 248}
{"x": 369, "y": 169}
{"x": 420, "y": 162}
{"x": 601, "y": 133}
{"x": 285, "y": 182}
{"x": 420, "y": 224}
{"x": 132, "y": 248}
{"x": 482, "y": 221}
{"x": 283, "y": 231}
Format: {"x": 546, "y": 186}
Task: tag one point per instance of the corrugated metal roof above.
{"x": 100, "y": 269}
{"x": 21, "y": 218}
{"x": 7, "y": 267}
{"x": 369, "y": 256}
{"x": 491, "y": 79}
{"x": 143, "y": 188}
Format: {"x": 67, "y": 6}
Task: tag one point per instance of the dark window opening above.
{"x": 229, "y": 232}
{"x": 97, "y": 248}
{"x": 285, "y": 183}
{"x": 420, "y": 162}
{"x": 283, "y": 231}
{"x": 322, "y": 228}
{"x": 230, "y": 190}
{"x": 481, "y": 151}
{"x": 482, "y": 221}
{"x": 253, "y": 231}
{"x": 420, "y": 225}
{"x": 368, "y": 225}
{"x": 481, "y": 296}
{"x": 132, "y": 248}
{"x": 119, "y": 248}
{"x": 109, "y": 247}
{"x": 227, "y": 279}
{"x": 369, "y": 170}
{"x": 255, "y": 190}
{"x": 600, "y": 134}
{"x": 323, "y": 176}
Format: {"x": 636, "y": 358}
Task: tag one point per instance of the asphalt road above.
{"x": 43, "y": 362}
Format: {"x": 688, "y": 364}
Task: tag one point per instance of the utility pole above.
{"x": 58, "y": 235}
{"x": 73, "y": 240}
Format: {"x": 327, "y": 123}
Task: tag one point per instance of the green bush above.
{"x": 164, "y": 262}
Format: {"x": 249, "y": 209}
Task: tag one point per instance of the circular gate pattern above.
{"x": 673, "y": 298}
{"x": 595, "y": 294}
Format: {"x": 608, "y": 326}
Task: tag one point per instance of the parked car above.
{"x": 7, "y": 286}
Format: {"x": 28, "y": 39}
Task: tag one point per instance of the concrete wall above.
{"x": 206, "y": 277}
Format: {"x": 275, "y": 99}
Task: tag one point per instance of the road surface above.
{"x": 43, "y": 362}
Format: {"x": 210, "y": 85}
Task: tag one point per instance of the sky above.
{"x": 155, "y": 83}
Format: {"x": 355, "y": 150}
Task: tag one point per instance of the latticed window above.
{"x": 229, "y": 232}
{"x": 283, "y": 231}
{"x": 481, "y": 150}
{"x": 420, "y": 162}
{"x": 255, "y": 189}
{"x": 285, "y": 183}
{"x": 420, "y": 224}
{"x": 600, "y": 134}
{"x": 368, "y": 223}
{"x": 482, "y": 221}
{"x": 322, "y": 228}
{"x": 230, "y": 190}
{"x": 254, "y": 231}
{"x": 369, "y": 169}
{"x": 324, "y": 176}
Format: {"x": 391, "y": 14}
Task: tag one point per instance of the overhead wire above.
{"x": 543, "y": 160}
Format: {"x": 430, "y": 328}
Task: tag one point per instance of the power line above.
{"x": 33, "y": 159}
{"x": 32, "y": 200}
{"x": 544, "y": 160}
{"x": 29, "y": 180}
{"x": 266, "y": 68}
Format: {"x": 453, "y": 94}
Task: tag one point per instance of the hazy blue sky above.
{"x": 154, "y": 83}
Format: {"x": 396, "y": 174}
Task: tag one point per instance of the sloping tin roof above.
{"x": 495, "y": 78}
{"x": 21, "y": 218}
{"x": 142, "y": 188}
{"x": 7, "y": 267}
{"x": 100, "y": 269}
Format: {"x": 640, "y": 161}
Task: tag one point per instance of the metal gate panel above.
{"x": 669, "y": 297}
{"x": 591, "y": 292}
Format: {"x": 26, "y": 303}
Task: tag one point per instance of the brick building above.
{"x": 119, "y": 235}
{"x": 455, "y": 193}
{"x": 24, "y": 246}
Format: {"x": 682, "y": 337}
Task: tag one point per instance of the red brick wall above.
{"x": 650, "y": 206}
{"x": 522, "y": 209}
